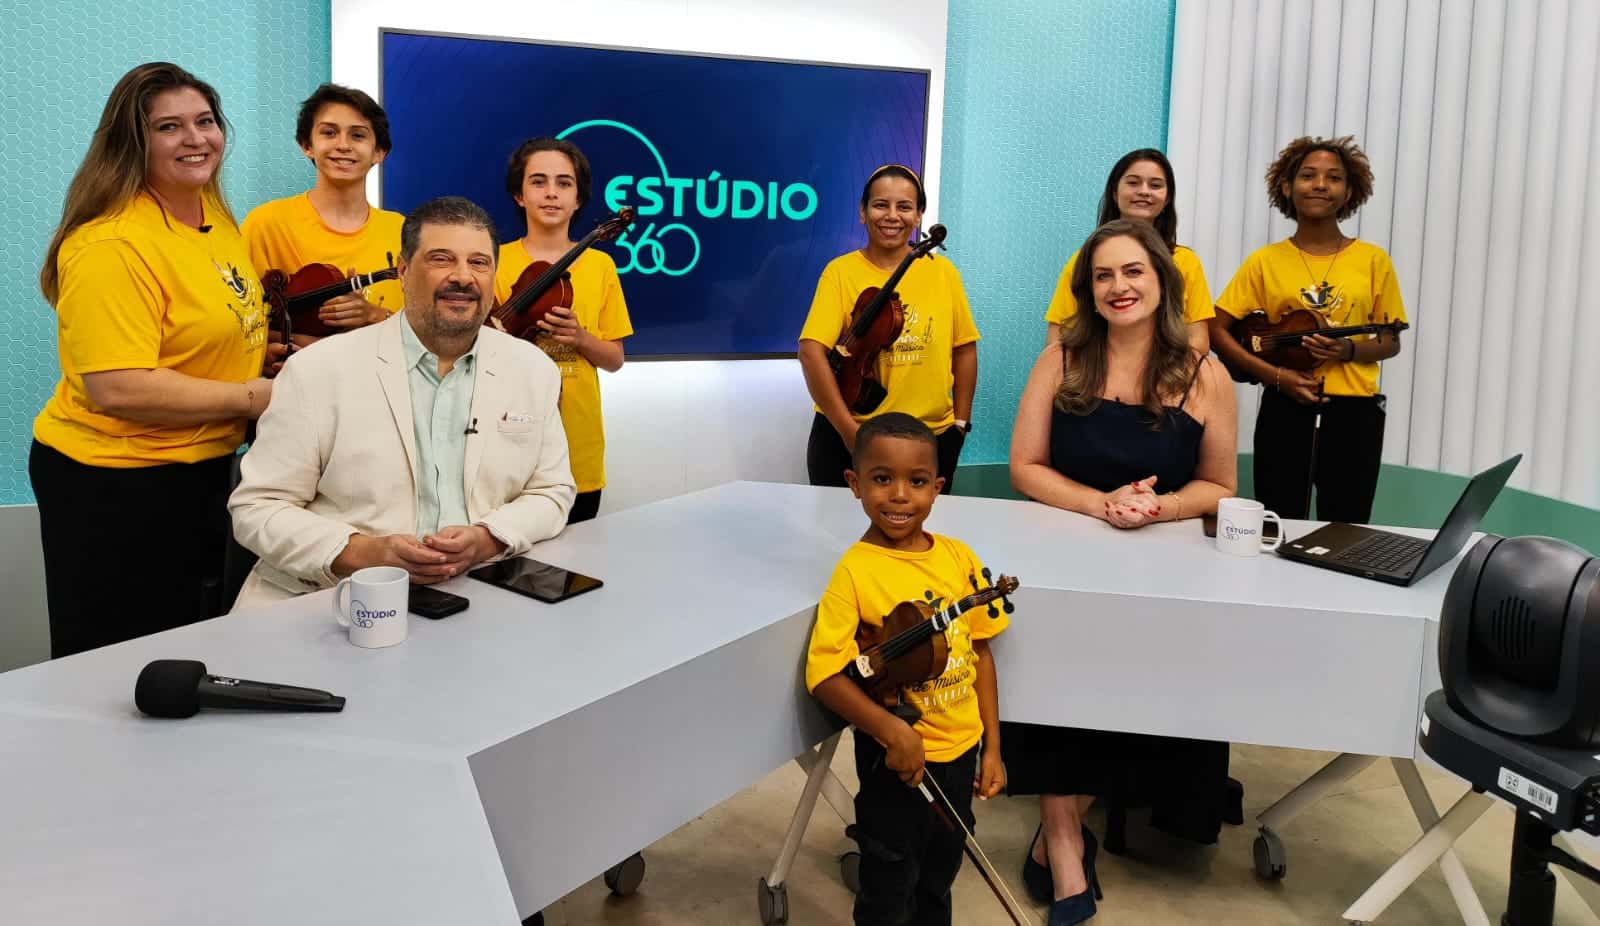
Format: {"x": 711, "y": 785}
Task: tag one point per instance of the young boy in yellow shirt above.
{"x": 909, "y": 859}
{"x": 345, "y": 134}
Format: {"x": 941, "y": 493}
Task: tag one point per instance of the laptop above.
{"x": 1396, "y": 558}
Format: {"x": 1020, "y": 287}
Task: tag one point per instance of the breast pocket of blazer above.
{"x": 518, "y": 429}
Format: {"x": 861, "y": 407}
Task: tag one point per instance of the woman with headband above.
{"x": 930, "y": 371}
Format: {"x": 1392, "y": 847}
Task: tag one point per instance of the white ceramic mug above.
{"x": 1240, "y": 523}
{"x": 377, "y": 612}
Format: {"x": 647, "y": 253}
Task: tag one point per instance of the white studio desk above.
{"x": 532, "y": 745}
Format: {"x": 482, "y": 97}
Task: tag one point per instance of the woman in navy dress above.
{"x": 1122, "y": 421}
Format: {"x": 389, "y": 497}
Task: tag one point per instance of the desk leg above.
{"x": 772, "y": 897}
{"x": 1455, "y": 875}
{"x": 833, "y": 790}
{"x": 1424, "y": 852}
{"x": 1587, "y": 890}
{"x": 1270, "y": 857}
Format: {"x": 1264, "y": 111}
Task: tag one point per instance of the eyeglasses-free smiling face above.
{"x": 897, "y": 480}
{"x": 549, "y": 189}
{"x": 1127, "y": 289}
{"x": 891, "y": 212}
{"x": 1319, "y": 188}
{"x": 343, "y": 145}
{"x": 184, "y": 142}
{"x": 449, "y": 281}
{"x": 1142, "y": 191}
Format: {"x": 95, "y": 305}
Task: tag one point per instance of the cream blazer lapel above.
{"x": 485, "y": 397}
{"x": 394, "y": 378}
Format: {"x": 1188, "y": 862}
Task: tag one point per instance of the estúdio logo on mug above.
{"x": 377, "y": 612}
{"x": 1239, "y": 527}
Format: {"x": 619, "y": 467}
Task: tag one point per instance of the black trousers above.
{"x": 1345, "y": 470}
{"x": 827, "y": 457}
{"x": 909, "y": 857}
{"x": 585, "y": 507}
{"x": 128, "y": 552}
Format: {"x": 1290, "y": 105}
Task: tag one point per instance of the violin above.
{"x": 875, "y": 323}
{"x": 543, "y": 286}
{"x": 910, "y": 648}
{"x": 299, "y": 295}
{"x": 1278, "y": 343}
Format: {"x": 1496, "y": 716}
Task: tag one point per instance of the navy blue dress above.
{"x": 1183, "y": 781}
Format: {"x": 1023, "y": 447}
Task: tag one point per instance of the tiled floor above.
{"x": 706, "y": 872}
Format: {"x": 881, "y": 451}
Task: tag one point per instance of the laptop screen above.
{"x": 1467, "y": 515}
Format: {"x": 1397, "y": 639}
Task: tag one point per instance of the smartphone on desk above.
{"x": 1208, "y": 523}
{"x": 433, "y": 604}
{"x": 540, "y": 581}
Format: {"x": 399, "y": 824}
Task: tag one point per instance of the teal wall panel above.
{"x": 58, "y": 63}
{"x": 1041, "y": 98}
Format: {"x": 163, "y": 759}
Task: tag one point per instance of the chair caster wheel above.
{"x": 773, "y": 902}
{"x": 625, "y": 877}
{"x": 850, "y": 871}
{"x": 1271, "y": 859}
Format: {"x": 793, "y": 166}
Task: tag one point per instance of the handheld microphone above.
{"x": 180, "y": 687}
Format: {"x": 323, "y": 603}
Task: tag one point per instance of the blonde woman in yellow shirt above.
{"x": 930, "y": 372}
{"x": 161, "y": 336}
{"x": 549, "y": 180}
{"x": 344, "y": 133}
{"x": 1140, "y": 187}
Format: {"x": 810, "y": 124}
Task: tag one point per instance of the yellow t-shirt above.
{"x": 917, "y": 370}
{"x": 142, "y": 291}
{"x": 1362, "y": 290}
{"x": 286, "y": 234}
{"x": 600, "y": 309}
{"x": 866, "y": 585}
{"x": 1196, "y": 292}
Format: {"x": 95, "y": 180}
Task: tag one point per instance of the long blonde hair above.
{"x": 113, "y": 170}
{"x": 1171, "y": 365}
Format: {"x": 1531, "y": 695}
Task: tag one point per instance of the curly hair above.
{"x": 1171, "y": 364}
{"x": 1357, "y": 172}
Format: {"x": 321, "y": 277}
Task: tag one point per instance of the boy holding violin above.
{"x": 549, "y": 180}
{"x": 909, "y": 859}
{"x": 345, "y": 134}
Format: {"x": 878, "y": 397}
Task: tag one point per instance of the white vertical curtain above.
{"x": 1478, "y": 116}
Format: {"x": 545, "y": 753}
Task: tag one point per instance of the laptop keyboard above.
{"x": 1383, "y": 552}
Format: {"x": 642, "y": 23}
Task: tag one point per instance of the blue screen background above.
{"x": 459, "y": 107}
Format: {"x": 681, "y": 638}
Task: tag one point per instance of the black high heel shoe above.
{"x": 1041, "y": 885}
{"x": 1070, "y": 911}
{"x": 1036, "y": 877}
{"x": 1091, "y": 848}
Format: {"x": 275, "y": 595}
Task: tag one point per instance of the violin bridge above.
{"x": 1255, "y": 343}
{"x": 864, "y": 666}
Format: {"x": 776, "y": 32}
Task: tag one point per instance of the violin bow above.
{"x": 975, "y": 852}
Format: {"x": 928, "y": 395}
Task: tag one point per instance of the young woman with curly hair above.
{"x": 1317, "y": 182}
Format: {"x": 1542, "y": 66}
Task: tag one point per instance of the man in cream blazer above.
{"x": 427, "y": 441}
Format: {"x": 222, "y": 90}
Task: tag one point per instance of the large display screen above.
{"x": 746, "y": 174}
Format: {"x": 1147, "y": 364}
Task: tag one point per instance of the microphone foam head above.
{"x": 169, "y": 688}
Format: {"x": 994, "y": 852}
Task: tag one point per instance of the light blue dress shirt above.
{"x": 441, "y": 409}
